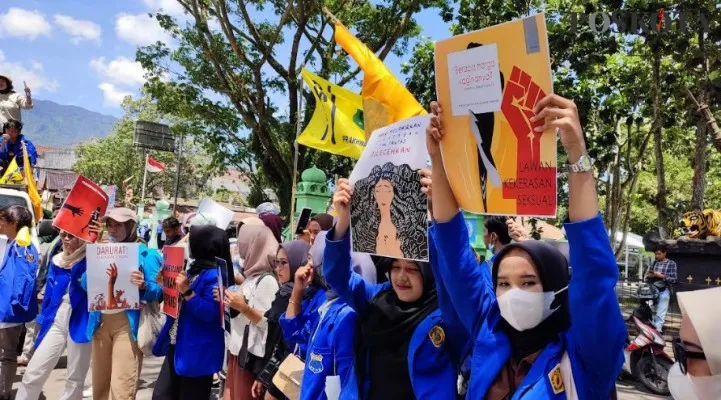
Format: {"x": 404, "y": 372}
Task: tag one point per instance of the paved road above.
{"x": 627, "y": 390}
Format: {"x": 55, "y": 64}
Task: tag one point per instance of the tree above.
{"x": 232, "y": 51}
{"x": 113, "y": 159}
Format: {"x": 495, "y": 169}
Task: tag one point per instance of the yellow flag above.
{"x": 385, "y": 99}
{"x": 35, "y": 198}
{"x": 12, "y": 174}
{"x": 337, "y": 122}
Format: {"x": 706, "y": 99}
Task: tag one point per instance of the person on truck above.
{"x": 18, "y": 302}
{"x": 11, "y": 102}
{"x": 11, "y": 145}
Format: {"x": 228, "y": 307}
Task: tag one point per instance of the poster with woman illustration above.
{"x": 109, "y": 269}
{"x": 488, "y": 83}
{"x": 389, "y": 212}
{"x": 86, "y": 203}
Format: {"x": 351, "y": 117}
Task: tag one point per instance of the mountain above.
{"x": 54, "y": 125}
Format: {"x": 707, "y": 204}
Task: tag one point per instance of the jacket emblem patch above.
{"x": 437, "y": 335}
{"x": 556, "y": 380}
{"x": 316, "y": 363}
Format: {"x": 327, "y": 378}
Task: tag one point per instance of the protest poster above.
{"x": 222, "y": 215}
{"x": 85, "y": 204}
{"x": 224, "y": 310}
{"x": 109, "y": 269}
{"x": 488, "y": 83}
{"x": 112, "y": 194}
{"x": 389, "y": 212}
{"x": 173, "y": 263}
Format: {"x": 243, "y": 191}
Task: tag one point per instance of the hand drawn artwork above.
{"x": 389, "y": 213}
{"x": 489, "y": 81}
{"x": 109, "y": 268}
{"x": 85, "y": 205}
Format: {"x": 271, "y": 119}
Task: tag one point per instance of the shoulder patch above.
{"x": 437, "y": 335}
{"x": 556, "y": 380}
{"x": 30, "y": 258}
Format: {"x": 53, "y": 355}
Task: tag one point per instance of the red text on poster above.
{"x": 173, "y": 262}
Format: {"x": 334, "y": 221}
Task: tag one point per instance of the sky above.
{"x": 77, "y": 52}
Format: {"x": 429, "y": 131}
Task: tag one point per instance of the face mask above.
{"x": 524, "y": 310}
{"x": 691, "y": 387}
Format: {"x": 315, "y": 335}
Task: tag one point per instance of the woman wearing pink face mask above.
{"x": 697, "y": 372}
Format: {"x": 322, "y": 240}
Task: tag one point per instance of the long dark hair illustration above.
{"x": 390, "y": 213}
{"x": 485, "y": 123}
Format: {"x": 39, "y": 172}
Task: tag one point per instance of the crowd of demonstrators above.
{"x": 18, "y": 302}
{"x": 662, "y": 275}
{"x": 696, "y": 375}
{"x": 193, "y": 344}
{"x": 116, "y": 358}
{"x": 63, "y": 322}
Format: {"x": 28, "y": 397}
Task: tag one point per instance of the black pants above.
{"x": 171, "y": 386}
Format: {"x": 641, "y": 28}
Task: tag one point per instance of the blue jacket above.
{"x": 331, "y": 353}
{"x": 18, "y": 295}
{"x": 594, "y": 342}
{"x": 17, "y": 151}
{"x": 59, "y": 282}
{"x": 432, "y": 368}
{"x": 298, "y": 330}
{"x": 149, "y": 262}
{"x": 200, "y": 340}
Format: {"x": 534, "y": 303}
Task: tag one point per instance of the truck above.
{"x": 12, "y": 195}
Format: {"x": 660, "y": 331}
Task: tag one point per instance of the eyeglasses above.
{"x": 682, "y": 355}
{"x": 276, "y": 263}
{"x": 65, "y": 235}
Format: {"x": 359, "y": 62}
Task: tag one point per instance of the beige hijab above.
{"x": 255, "y": 244}
{"x": 703, "y": 308}
{"x": 67, "y": 260}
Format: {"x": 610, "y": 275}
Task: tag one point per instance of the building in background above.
{"x": 54, "y": 174}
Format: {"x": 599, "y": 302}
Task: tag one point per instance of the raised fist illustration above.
{"x": 519, "y": 98}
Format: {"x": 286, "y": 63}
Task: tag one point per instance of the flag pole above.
{"x": 145, "y": 177}
{"x": 299, "y": 125}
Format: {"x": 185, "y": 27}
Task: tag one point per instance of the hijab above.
{"x": 255, "y": 244}
{"x": 703, "y": 309}
{"x": 552, "y": 268}
{"x": 391, "y": 322}
{"x": 66, "y": 260}
{"x": 297, "y": 251}
{"x": 206, "y": 243}
{"x": 275, "y": 224}
{"x": 324, "y": 220}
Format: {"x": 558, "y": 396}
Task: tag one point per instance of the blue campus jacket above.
{"x": 330, "y": 353}
{"x": 432, "y": 367}
{"x": 18, "y": 295}
{"x": 298, "y": 330}
{"x": 200, "y": 340}
{"x": 149, "y": 261}
{"x": 59, "y": 282}
{"x": 594, "y": 342}
{"x": 17, "y": 151}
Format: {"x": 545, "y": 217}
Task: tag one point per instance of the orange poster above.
{"x": 85, "y": 205}
{"x": 173, "y": 264}
{"x": 488, "y": 82}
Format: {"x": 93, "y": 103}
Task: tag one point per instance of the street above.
{"x": 627, "y": 389}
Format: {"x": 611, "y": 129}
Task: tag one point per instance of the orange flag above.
{"x": 385, "y": 99}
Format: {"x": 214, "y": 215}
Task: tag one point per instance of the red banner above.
{"x": 173, "y": 263}
{"x": 85, "y": 204}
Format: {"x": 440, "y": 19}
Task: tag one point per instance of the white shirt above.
{"x": 259, "y": 297}
{"x": 10, "y": 105}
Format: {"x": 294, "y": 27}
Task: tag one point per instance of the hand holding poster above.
{"x": 109, "y": 268}
{"x": 389, "y": 212}
{"x": 85, "y": 205}
{"x": 173, "y": 262}
{"x": 488, "y": 83}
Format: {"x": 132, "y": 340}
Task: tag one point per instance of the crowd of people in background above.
{"x": 515, "y": 326}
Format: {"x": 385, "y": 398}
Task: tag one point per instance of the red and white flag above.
{"x": 154, "y": 165}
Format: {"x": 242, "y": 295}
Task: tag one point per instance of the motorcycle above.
{"x": 644, "y": 356}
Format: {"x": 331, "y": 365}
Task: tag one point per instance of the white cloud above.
{"x": 112, "y": 96}
{"x": 33, "y": 76}
{"x": 78, "y": 29}
{"x": 18, "y": 22}
{"x": 139, "y": 30}
{"x": 171, "y": 7}
{"x": 121, "y": 70}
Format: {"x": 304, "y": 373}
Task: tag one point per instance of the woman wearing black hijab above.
{"x": 290, "y": 256}
{"x": 187, "y": 373}
{"x": 405, "y": 350}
